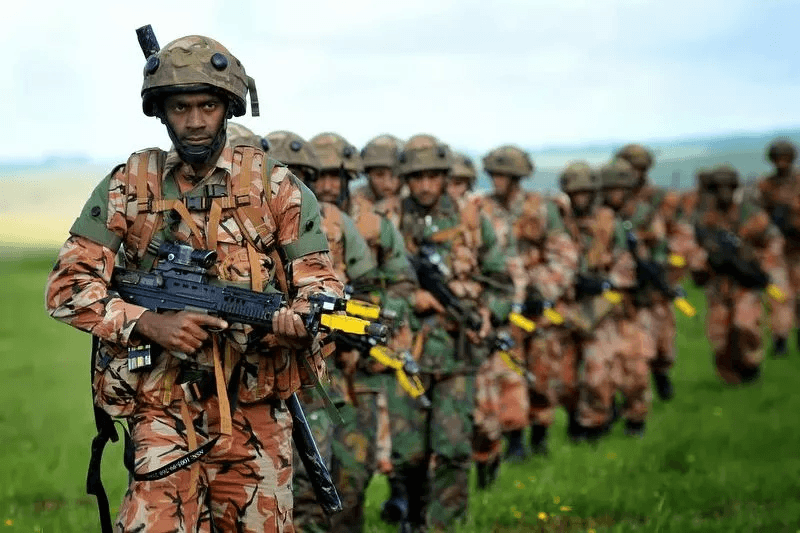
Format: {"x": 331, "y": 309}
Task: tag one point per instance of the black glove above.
{"x": 749, "y": 274}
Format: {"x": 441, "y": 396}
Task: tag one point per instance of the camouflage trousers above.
{"x": 734, "y": 323}
{"x": 596, "y": 378}
{"x": 243, "y": 484}
{"x": 355, "y": 459}
{"x": 658, "y": 320}
{"x": 552, "y": 358}
{"x": 440, "y": 436}
{"x": 487, "y": 431}
{"x": 308, "y": 515}
{"x": 784, "y": 315}
{"x": 633, "y": 349}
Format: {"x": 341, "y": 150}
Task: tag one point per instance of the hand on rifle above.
{"x": 289, "y": 330}
{"x": 182, "y": 331}
{"x": 425, "y": 302}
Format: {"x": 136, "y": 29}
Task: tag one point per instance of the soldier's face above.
{"x": 427, "y": 186}
{"x": 503, "y": 183}
{"x": 783, "y": 163}
{"x": 195, "y": 118}
{"x": 581, "y": 200}
{"x": 328, "y": 186}
{"x": 457, "y": 187}
{"x": 383, "y": 182}
{"x": 615, "y": 197}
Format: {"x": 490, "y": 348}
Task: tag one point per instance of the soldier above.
{"x": 383, "y": 187}
{"x": 544, "y": 258}
{"x": 487, "y": 434}
{"x": 654, "y": 309}
{"x": 742, "y": 246}
{"x": 239, "y": 135}
{"x": 779, "y": 195}
{"x": 634, "y": 345}
{"x": 605, "y": 265}
{"x": 352, "y": 263}
{"x": 189, "y": 399}
{"x": 451, "y": 248}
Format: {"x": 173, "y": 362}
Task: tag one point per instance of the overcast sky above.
{"x": 474, "y": 73}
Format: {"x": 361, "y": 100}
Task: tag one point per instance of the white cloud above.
{"x": 475, "y": 74}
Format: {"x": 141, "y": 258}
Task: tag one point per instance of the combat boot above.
{"x": 515, "y": 450}
{"x": 664, "y": 387}
{"x": 539, "y": 439}
{"x": 575, "y": 431}
{"x": 487, "y": 472}
{"x": 395, "y": 509}
{"x": 750, "y": 374}
{"x": 780, "y": 348}
{"x": 634, "y": 429}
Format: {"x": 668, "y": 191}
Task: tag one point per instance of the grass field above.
{"x": 713, "y": 459}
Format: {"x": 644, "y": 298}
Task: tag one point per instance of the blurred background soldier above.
{"x": 382, "y": 191}
{"x": 542, "y": 260}
{"x": 779, "y": 194}
{"x": 605, "y": 267}
{"x": 461, "y": 181}
{"x": 449, "y": 249}
{"x": 634, "y": 344}
{"x": 239, "y": 135}
{"x": 655, "y": 310}
{"x": 742, "y": 246}
{"x": 352, "y": 261}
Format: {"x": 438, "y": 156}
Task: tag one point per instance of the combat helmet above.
{"x": 637, "y": 155}
{"x": 618, "y": 173}
{"x": 240, "y": 135}
{"x": 335, "y": 153}
{"x": 781, "y": 147}
{"x": 463, "y": 168}
{"x": 423, "y": 152}
{"x": 578, "y": 176}
{"x": 509, "y": 160}
{"x": 381, "y": 152}
{"x": 724, "y": 175}
{"x": 193, "y": 64}
{"x": 293, "y": 150}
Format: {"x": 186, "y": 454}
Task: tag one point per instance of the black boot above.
{"x": 575, "y": 431}
{"x": 664, "y": 387}
{"x": 750, "y": 374}
{"x": 395, "y": 509}
{"x": 780, "y": 348}
{"x": 487, "y": 472}
{"x": 515, "y": 450}
{"x": 539, "y": 439}
{"x": 634, "y": 429}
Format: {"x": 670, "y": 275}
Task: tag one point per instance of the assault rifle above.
{"x": 433, "y": 275}
{"x": 534, "y": 306}
{"x": 181, "y": 281}
{"x": 726, "y": 257}
{"x": 652, "y": 274}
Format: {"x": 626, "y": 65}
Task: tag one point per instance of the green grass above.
{"x": 713, "y": 459}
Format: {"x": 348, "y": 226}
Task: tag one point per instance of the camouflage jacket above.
{"x": 78, "y": 287}
{"x": 469, "y": 249}
{"x": 775, "y": 194}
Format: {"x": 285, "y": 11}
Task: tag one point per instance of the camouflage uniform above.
{"x": 351, "y": 262}
{"x": 448, "y": 360}
{"x": 735, "y": 309}
{"x": 779, "y": 195}
{"x": 645, "y": 211}
{"x": 379, "y": 153}
{"x": 542, "y": 259}
{"x": 605, "y": 263}
{"x": 244, "y": 482}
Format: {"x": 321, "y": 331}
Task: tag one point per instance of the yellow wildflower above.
{"x": 9, "y": 522}
{"x": 517, "y": 515}
{"x": 566, "y": 508}
{"x": 543, "y": 516}
{"x": 519, "y": 484}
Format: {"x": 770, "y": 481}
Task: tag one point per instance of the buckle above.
{"x": 197, "y": 203}
{"x": 215, "y": 190}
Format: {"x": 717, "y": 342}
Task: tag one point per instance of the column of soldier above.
{"x": 509, "y": 304}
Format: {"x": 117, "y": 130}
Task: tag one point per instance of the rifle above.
{"x": 650, "y": 273}
{"x": 433, "y": 275}
{"x": 523, "y": 315}
{"x": 181, "y": 281}
{"x": 502, "y": 344}
{"x": 728, "y": 261}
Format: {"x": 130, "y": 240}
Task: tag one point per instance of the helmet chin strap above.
{"x": 197, "y": 154}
